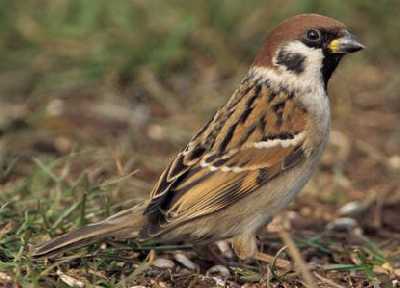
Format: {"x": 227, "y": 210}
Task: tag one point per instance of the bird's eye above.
{"x": 313, "y": 35}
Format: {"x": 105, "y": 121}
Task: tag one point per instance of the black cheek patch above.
{"x": 292, "y": 61}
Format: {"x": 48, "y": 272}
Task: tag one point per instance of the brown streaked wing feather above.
{"x": 222, "y": 164}
{"x": 223, "y": 188}
{"x": 203, "y": 141}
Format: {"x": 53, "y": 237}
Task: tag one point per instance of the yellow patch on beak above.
{"x": 334, "y": 46}
{"x": 344, "y": 45}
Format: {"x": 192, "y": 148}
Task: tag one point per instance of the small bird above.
{"x": 251, "y": 158}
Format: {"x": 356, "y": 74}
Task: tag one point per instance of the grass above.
{"x": 97, "y": 96}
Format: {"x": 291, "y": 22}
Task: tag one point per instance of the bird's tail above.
{"x": 125, "y": 224}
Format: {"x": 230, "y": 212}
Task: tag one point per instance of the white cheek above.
{"x": 311, "y": 76}
{"x": 314, "y": 96}
{"x": 308, "y": 85}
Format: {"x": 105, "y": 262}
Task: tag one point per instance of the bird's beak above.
{"x": 345, "y": 44}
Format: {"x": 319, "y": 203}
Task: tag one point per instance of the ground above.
{"x": 96, "y": 99}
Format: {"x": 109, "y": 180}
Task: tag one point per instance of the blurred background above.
{"x": 97, "y": 96}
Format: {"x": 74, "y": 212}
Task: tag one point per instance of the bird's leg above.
{"x": 209, "y": 252}
{"x": 225, "y": 248}
{"x": 217, "y": 254}
{"x": 245, "y": 246}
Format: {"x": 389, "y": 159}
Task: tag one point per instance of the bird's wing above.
{"x": 256, "y": 136}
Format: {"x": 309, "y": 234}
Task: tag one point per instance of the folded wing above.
{"x": 256, "y": 136}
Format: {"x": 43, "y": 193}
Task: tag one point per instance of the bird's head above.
{"x": 307, "y": 46}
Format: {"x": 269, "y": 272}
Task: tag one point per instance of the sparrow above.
{"x": 250, "y": 160}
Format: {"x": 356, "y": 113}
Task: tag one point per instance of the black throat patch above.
{"x": 329, "y": 64}
{"x": 293, "y": 62}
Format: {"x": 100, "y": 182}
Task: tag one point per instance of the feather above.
{"x": 255, "y": 137}
{"x": 124, "y": 224}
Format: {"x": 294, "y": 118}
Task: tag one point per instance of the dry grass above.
{"x": 96, "y": 98}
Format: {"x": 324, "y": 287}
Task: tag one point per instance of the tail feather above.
{"x": 125, "y": 224}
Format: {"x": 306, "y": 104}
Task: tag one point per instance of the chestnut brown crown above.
{"x": 292, "y": 29}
